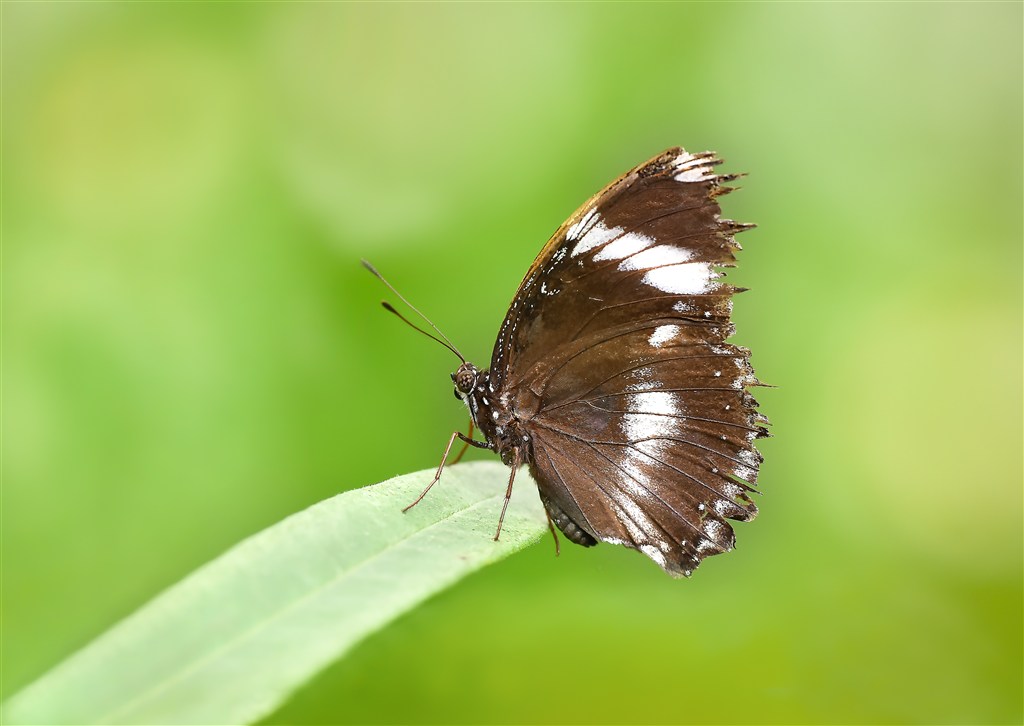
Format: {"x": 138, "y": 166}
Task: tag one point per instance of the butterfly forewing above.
{"x": 614, "y": 355}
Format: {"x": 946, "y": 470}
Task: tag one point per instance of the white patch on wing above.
{"x": 723, "y": 507}
{"x": 748, "y": 471}
{"x": 638, "y": 469}
{"x": 663, "y": 334}
{"x": 595, "y": 236}
{"x": 691, "y": 278}
{"x": 656, "y": 257}
{"x": 638, "y": 523}
{"x": 704, "y": 545}
{"x": 693, "y": 168}
{"x": 694, "y": 175}
{"x": 652, "y": 451}
{"x": 646, "y": 382}
{"x": 744, "y": 473}
{"x": 626, "y": 245}
{"x": 574, "y": 231}
{"x": 641, "y": 426}
{"x": 654, "y": 554}
{"x": 657, "y": 402}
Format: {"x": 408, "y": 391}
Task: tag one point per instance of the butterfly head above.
{"x": 490, "y": 416}
{"x": 465, "y": 379}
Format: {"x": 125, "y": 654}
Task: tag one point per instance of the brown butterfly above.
{"x": 612, "y": 378}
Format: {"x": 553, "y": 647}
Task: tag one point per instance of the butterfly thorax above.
{"x": 492, "y": 415}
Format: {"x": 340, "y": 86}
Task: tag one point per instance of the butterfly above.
{"x": 612, "y": 378}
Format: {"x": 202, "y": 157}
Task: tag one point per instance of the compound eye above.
{"x": 464, "y": 380}
{"x": 457, "y": 395}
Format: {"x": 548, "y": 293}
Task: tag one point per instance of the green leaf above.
{"x": 231, "y": 641}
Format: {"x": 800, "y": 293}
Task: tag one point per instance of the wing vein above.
{"x": 687, "y": 442}
{"x": 619, "y": 373}
{"x": 567, "y": 490}
{"x": 651, "y": 492}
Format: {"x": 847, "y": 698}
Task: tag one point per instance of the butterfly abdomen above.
{"x": 572, "y": 531}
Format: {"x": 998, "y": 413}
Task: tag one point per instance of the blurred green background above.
{"x": 191, "y": 350}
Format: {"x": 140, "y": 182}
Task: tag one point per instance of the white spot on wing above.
{"x": 655, "y": 257}
{"x": 642, "y": 426}
{"x": 626, "y": 245}
{"x": 663, "y": 334}
{"x": 747, "y": 472}
{"x": 637, "y": 522}
{"x": 692, "y": 168}
{"x": 575, "y": 230}
{"x": 635, "y": 519}
{"x": 693, "y": 175}
{"x": 654, "y": 554}
{"x": 597, "y": 235}
{"x": 704, "y": 545}
{"x": 658, "y": 402}
{"x": 692, "y": 278}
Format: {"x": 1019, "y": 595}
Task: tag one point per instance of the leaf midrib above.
{"x": 256, "y": 627}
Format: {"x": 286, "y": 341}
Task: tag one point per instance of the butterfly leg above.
{"x": 517, "y": 460}
{"x": 465, "y": 446}
{"x": 551, "y": 526}
{"x": 444, "y": 458}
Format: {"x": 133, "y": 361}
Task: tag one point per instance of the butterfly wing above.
{"x": 614, "y": 356}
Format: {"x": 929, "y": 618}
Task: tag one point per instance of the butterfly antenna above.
{"x": 387, "y": 306}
